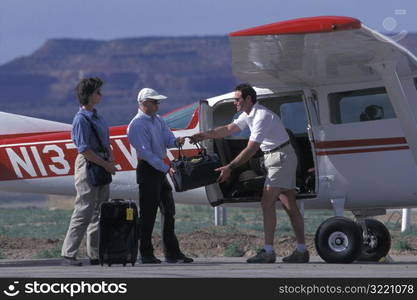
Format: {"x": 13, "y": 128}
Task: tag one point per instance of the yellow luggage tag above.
{"x": 129, "y": 214}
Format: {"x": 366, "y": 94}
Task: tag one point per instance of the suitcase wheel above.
{"x": 124, "y": 265}
{"x": 133, "y": 264}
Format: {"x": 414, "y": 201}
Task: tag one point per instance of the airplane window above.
{"x": 360, "y": 105}
{"x": 293, "y": 115}
{"x": 180, "y": 118}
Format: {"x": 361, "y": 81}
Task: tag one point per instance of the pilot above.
{"x": 372, "y": 112}
{"x": 268, "y": 133}
{"x": 85, "y": 217}
{"x": 151, "y": 137}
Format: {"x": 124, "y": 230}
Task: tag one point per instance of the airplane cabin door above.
{"x": 313, "y": 117}
{"x": 213, "y": 191}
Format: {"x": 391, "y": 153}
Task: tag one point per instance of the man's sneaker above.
{"x": 71, "y": 261}
{"x": 297, "y": 257}
{"x": 262, "y": 257}
{"x": 179, "y": 259}
{"x": 151, "y": 259}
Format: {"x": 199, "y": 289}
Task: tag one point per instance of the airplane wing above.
{"x": 314, "y": 51}
{"x": 323, "y": 51}
{"x": 12, "y": 125}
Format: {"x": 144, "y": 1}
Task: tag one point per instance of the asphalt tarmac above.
{"x": 218, "y": 267}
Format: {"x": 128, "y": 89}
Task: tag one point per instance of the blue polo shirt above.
{"x": 83, "y": 135}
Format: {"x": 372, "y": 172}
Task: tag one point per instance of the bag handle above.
{"x": 201, "y": 150}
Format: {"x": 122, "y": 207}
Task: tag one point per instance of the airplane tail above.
{"x": 12, "y": 125}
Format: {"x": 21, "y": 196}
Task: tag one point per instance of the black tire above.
{"x": 378, "y": 243}
{"x": 338, "y": 240}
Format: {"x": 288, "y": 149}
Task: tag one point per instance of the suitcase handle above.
{"x": 116, "y": 200}
{"x": 201, "y": 150}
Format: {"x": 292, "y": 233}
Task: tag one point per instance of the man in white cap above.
{"x": 151, "y": 137}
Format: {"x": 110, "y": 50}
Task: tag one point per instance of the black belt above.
{"x": 277, "y": 148}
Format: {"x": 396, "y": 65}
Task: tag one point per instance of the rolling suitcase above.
{"x": 118, "y": 235}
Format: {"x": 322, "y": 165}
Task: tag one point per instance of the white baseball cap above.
{"x": 149, "y": 94}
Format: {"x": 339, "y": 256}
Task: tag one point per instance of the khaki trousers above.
{"x": 85, "y": 216}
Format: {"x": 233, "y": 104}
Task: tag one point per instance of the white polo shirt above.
{"x": 265, "y": 126}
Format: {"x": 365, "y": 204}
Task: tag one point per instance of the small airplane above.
{"x": 346, "y": 93}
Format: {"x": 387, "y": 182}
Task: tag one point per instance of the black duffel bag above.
{"x": 195, "y": 171}
{"x": 97, "y": 175}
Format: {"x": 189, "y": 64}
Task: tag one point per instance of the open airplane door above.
{"x": 312, "y": 109}
{"x": 213, "y": 191}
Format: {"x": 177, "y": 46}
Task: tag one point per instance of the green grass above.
{"x": 402, "y": 245}
{"x": 53, "y": 224}
{"x": 190, "y": 218}
{"x": 234, "y": 250}
{"x": 34, "y": 222}
{"x": 393, "y": 223}
{"x": 44, "y": 223}
{"x": 49, "y": 253}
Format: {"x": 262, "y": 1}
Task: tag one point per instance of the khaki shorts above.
{"x": 281, "y": 168}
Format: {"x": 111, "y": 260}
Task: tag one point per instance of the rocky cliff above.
{"x": 186, "y": 69}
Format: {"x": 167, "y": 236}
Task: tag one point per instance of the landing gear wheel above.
{"x": 338, "y": 240}
{"x": 378, "y": 242}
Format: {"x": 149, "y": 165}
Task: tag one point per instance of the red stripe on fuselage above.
{"x": 386, "y": 142}
{"x": 335, "y": 152}
{"x": 360, "y": 143}
{"x": 10, "y": 138}
{"x": 40, "y": 159}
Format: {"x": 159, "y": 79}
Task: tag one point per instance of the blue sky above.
{"x": 26, "y": 24}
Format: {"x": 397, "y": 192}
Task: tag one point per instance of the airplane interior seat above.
{"x": 248, "y": 179}
{"x": 305, "y": 180}
{"x": 223, "y": 150}
{"x": 228, "y": 149}
{"x": 297, "y": 150}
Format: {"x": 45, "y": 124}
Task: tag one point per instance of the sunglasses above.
{"x": 154, "y": 101}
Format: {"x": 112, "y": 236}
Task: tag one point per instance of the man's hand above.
{"x": 179, "y": 141}
{"x": 171, "y": 171}
{"x": 225, "y": 173}
{"x": 201, "y": 136}
{"x": 110, "y": 167}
